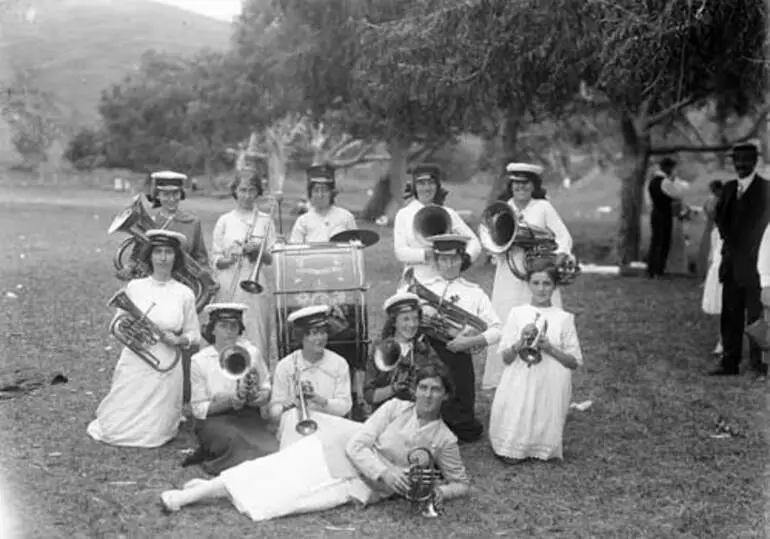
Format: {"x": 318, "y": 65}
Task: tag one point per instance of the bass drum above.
{"x": 318, "y": 274}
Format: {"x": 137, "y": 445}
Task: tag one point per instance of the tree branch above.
{"x": 668, "y": 111}
{"x": 662, "y": 150}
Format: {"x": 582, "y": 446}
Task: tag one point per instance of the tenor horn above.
{"x": 431, "y": 220}
{"x": 305, "y": 425}
{"x": 139, "y": 334}
{"x": 235, "y": 361}
{"x": 530, "y": 353}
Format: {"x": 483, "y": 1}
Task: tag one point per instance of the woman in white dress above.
{"x": 413, "y": 253}
{"x": 531, "y": 403}
{"x": 144, "y": 406}
{"x": 527, "y": 198}
{"x": 353, "y": 462}
{"x": 712, "y": 288}
{"x": 238, "y": 238}
{"x": 229, "y": 422}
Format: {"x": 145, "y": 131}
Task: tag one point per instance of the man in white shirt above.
{"x": 426, "y": 189}
{"x": 448, "y": 260}
{"x": 324, "y": 219}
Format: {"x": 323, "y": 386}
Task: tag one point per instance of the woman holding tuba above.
{"x": 230, "y": 382}
{"x": 411, "y": 245}
{"x": 238, "y": 237}
{"x": 402, "y": 350}
{"x": 540, "y": 349}
{"x": 310, "y": 380}
{"x": 526, "y": 197}
{"x": 144, "y": 405}
{"x": 354, "y": 462}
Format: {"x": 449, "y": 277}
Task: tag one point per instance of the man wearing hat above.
{"x": 426, "y": 189}
{"x": 664, "y": 191}
{"x": 323, "y": 373}
{"x": 449, "y": 259}
{"x": 742, "y": 215}
{"x": 324, "y": 219}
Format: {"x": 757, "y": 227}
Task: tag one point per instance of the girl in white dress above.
{"x": 712, "y": 288}
{"x": 531, "y": 403}
{"x": 527, "y": 198}
{"x": 236, "y": 244}
{"x": 352, "y": 462}
{"x": 426, "y": 189}
{"x": 144, "y": 406}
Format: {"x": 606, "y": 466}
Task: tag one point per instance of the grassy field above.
{"x": 638, "y": 463}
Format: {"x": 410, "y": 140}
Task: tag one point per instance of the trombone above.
{"x": 252, "y": 285}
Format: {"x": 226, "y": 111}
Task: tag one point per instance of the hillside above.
{"x": 76, "y": 48}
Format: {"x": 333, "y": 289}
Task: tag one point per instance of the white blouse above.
{"x": 207, "y": 380}
{"x": 313, "y": 227}
{"x": 412, "y": 253}
{"x": 763, "y": 259}
{"x": 541, "y": 213}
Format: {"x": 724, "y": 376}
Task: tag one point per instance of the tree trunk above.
{"x": 721, "y": 121}
{"x": 509, "y": 132}
{"x": 636, "y": 156}
{"x": 764, "y": 141}
{"x": 398, "y": 147}
{"x": 377, "y": 204}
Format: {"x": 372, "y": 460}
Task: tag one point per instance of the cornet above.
{"x": 423, "y": 476}
{"x": 530, "y": 353}
{"x": 305, "y": 425}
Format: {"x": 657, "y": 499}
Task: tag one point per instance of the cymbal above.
{"x": 366, "y": 237}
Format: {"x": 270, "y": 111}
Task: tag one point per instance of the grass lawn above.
{"x": 638, "y": 463}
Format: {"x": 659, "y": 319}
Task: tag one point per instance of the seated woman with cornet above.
{"x": 540, "y": 349}
{"x": 458, "y": 319}
{"x": 402, "y": 449}
{"x": 230, "y": 383}
{"x": 427, "y": 215}
{"x": 311, "y": 386}
{"x": 514, "y": 230}
{"x": 156, "y": 319}
{"x": 401, "y": 351}
{"x": 243, "y": 238}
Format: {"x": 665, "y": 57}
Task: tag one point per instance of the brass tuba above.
{"x": 235, "y": 361}
{"x": 442, "y": 320}
{"x": 423, "y": 475}
{"x": 139, "y": 334}
{"x": 530, "y": 353}
{"x": 500, "y": 231}
{"x": 431, "y": 220}
{"x": 135, "y": 220}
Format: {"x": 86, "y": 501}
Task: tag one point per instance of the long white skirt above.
{"x": 529, "y": 410}
{"x": 712, "y": 288}
{"x": 308, "y": 474}
{"x": 508, "y": 292}
{"x": 143, "y": 407}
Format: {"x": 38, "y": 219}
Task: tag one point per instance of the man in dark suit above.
{"x": 661, "y": 189}
{"x": 742, "y": 214}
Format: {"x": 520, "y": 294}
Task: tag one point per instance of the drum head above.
{"x": 366, "y": 237}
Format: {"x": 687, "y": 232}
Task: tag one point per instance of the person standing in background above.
{"x": 663, "y": 191}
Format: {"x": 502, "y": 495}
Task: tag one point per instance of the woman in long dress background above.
{"x": 712, "y": 289}
{"x": 144, "y": 406}
{"x": 527, "y": 198}
{"x": 237, "y": 240}
{"x": 531, "y": 402}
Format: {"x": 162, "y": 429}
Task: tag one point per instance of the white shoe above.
{"x": 193, "y": 483}
{"x": 170, "y": 499}
{"x": 718, "y": 349}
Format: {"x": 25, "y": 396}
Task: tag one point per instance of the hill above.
{"x": 77, "y": 48}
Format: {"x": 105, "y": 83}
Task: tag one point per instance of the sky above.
{"x": 219, "y": 9}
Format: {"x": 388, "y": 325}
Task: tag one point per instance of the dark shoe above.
{"x": 721, "y": 371}
{"x": 195, "y": 458}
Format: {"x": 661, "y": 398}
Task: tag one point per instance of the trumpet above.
{"x": 252, "y": 285}
{"x": 139, "y": 334}
{"x": 423, "y": 476}
{"x": 530, "y": 353}
{"x": 305, "y": 425}
{"x": 235, "y": 361}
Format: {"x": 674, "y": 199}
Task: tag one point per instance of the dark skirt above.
{"x": 229, "y": 439}
{"x": 458, "y": 413}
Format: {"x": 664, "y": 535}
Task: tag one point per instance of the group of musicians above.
{"x": 359, "y": 419}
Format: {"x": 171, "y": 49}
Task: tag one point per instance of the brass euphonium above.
{"x": 135, "y": 220}
{"x": 530, "y": 353}
{"x": 431, "y": 220}
{"x": 305, "y": 425}
{"x": 139, "y": 334}
{"x": 442, "y": 320}
{"x": 500, "y": 230}
{"x": 423, "y": 476}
